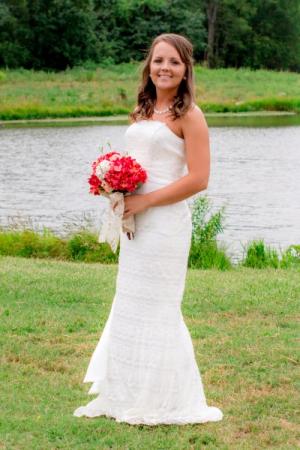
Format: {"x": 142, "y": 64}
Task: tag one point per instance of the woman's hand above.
{"x": 135, "y": 203}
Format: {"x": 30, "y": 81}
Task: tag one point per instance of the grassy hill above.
{"x": 100, "y": 91}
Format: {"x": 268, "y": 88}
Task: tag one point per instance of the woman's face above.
{"x": 166, "y": 67}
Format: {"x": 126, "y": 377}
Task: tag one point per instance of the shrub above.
{"x": 205, "y": 230}
{"x": 204, "y": 251}
{"x": 84, "y": 246}
{"x": 258, "y": 255}
{"x": 291, "y": 257}
{"x": 81, "y": 246}
{"x": 207, "y": 255}
{"x": 28, "y": 243}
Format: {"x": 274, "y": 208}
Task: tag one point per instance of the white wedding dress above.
{"x": 143, "y": 367}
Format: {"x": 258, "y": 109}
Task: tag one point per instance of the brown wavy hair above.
{"x": 185, "y": 96}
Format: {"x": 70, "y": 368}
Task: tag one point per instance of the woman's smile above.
{"x": 166, "y": 66}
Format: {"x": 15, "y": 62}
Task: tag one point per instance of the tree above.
{"x": 55, "y": 34}
{"x": 14, "y": 33}
{"x": 211, "y": 8}
{"x": 47, "y": 33}
{"x": 140, "y": 21}
{"x": 63, "y": 32}
{"x": 276, "y": 35}
{"x": 253, "y": 33}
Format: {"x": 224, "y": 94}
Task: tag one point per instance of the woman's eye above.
{"x": 159, "y": 60}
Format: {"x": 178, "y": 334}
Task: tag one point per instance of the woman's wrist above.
{"x": 149, "y": 199}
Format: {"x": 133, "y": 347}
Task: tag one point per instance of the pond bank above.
{"x": 110, "y": 91}
{"x": 251, "y": 118}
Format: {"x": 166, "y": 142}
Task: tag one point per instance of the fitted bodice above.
{"x": 158, "y": 149}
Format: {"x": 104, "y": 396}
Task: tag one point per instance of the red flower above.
{"x": 125, "y": 174}
{"x": 95, "y": 184}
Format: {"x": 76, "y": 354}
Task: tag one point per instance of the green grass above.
{"x": 83, "y": 245}
{"x": 105, "y": 91}
{"x": 243, "y": 323}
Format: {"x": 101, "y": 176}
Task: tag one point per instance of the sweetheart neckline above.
{"x": 164, "y": 123}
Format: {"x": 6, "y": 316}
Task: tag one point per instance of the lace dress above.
{"x": 143, "y": 368}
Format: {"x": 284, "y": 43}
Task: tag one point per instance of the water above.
{"x": 254, "y": 173}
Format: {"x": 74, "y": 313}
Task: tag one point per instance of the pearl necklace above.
{"x": 163, "y": 111}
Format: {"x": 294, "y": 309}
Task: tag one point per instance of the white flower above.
{"x": 102, "y": 169}
{"x": 294, "y": 252}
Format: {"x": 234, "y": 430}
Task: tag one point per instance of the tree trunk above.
{"x": 211, "y": 11}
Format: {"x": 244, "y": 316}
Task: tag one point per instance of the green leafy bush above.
{"x": 291, "y": 257}
{"x": 258, "y": 256}
{"x": 208, "y": 255}
{"x": 204, "y": 251}
{"x": 81, "y": 246}
{"x": 84, "y": 246}
{"x": 28, "y": 243}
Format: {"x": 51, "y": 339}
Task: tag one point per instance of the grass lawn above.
{"x": 244, "y": 329}
{"x": 100, "y": 91}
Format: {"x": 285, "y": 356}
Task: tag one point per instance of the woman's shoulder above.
{"x": 131, "y": 119}
{"x": 194, "y": 114}
{"x": 194, "y": 107}
{"x": 193, "y": 119}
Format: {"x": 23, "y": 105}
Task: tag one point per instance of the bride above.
{"x": 143, "y": 369}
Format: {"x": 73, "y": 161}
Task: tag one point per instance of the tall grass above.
{"x": 106, "y": 90}
{"x": 80, "y": 246}
{"x": 259, "y": 255}
{"x": 204, "y": 251}
{"x": 83, "y": 246}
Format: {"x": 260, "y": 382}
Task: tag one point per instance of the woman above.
{"x": 143, "y": 368}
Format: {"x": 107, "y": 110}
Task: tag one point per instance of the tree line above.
{"x": 56, "y": 34}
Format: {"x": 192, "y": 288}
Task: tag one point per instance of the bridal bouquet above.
{"x": 115, "y": 175}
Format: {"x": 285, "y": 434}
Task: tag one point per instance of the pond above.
{"x": 254, "y": 174}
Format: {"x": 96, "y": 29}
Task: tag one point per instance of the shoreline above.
{"x": 122, "y": 119}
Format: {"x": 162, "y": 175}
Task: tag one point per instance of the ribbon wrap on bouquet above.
{"x": 110, "y": 229}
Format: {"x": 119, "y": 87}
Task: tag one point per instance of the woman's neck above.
{"x": 164, "y": 99}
